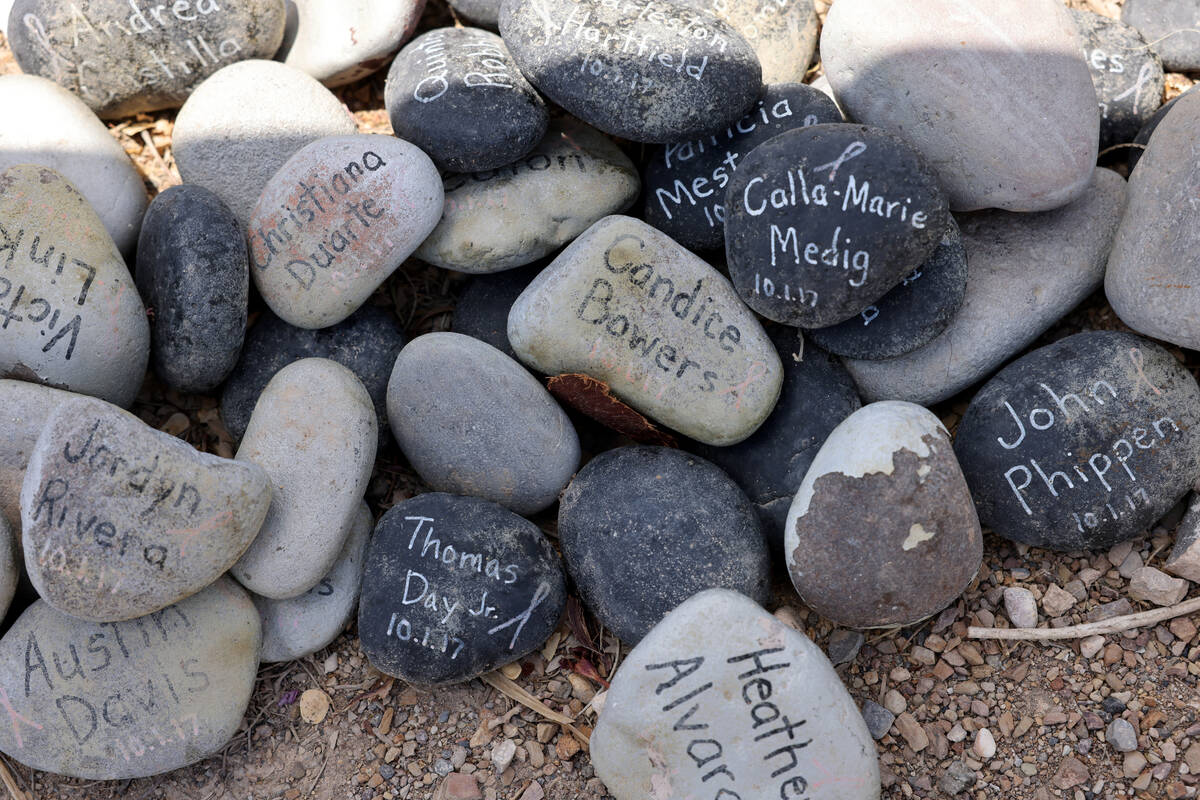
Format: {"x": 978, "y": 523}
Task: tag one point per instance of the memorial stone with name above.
{"x": 1127, "y": 74}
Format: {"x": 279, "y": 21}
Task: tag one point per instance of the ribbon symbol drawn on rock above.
{"x": 1143, "y": 80}
{"x": 16, "y": 718}
{"x": 1138, "y": 360}
{"x": 757, "y": 371}
{"x": 853, "y": 150}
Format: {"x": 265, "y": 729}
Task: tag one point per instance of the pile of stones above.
{"x": 772, "y": 281}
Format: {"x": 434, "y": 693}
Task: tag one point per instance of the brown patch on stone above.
{"x": 594, "y": 398}
{"x": 889, "y": 549}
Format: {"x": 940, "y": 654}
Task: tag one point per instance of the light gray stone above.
{"x": 120, "y": 520}
{"x": 314, "y": 432}
{"x": 24, "y": 408}
{"x": 241, "y": 125}
{"x": 1121, "y": 736}
{"x": 336, "y": 220}
{"x": 473, "y": 421}
{"x": 10, "y": 566}
{"x": 66, "y": 136}
{"x": 1184, "y": 560}
{"x": 627, "y": 305}
{"x": 340, "y": 41}
{"x": 5, "y": 7}
{"x": 996, "y": 96}
{"x": 72, "y": 316}
{"x": 1021, "y": 607}
{"x": 511, "y": 216}
{"x": 783, "y": 33}
{"x": 1024, "y": 273}
{"x": 303, "y": 625}
{"x": 129, "y": 699}
{"x": 719, "y": 645}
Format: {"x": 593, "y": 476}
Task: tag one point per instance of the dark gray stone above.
{"x": 685, "y": 181}
{"x": 454, "y": 587}
{"x": 910, "y": 315}
{"x": 458, "y": 95}
{"x": 957, "y": 779}
{"x": 482, "y": 308}
{"x": 485, "y": 13}
{"x": 1171, "y": 27}
{"x": 193, "y": 272}
{"x": 844, "y": 645}
{"x": 1127, "y": 74}
{"x": 1083, "y": 443}
{"x": 642, "y": 529}
{"x": 823, "y": 221}
{"x": 655, "y": 72}
{"x": 124, "y": 56}
{"x": 367, "y": 342}
{"x": 879, "y": 720}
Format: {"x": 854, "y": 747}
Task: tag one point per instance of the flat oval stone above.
{"x": 455, "y": 587}
{"x": 508, "y": 217}
{"x": 336, "y": 220}
{"x": 72, "y": 317}
{"x": 485, "y": 13}
{"x": 783, "y": 34}
{"x": 482, "y": 308}
{"x": 909, "y": 316}
{"x": 823, "y": 221}
{"x": 1171, "y": 26}
{"x": 125, "y": 57}
{"x": 651, "y": 73}
{"x": 769, "y": 466}
{"x": 340, "y": 41}
{"x": 882, "y": 531}
{"x": 470, "y": 420}
{"x": 367, "y": 343}
{"x": 1083, "y": 443}
{"x": 301, "y": 626}
{"x": 80, "y": 148}
{"x": 628, "y": 306}
{"x": 241, "y": 125}
{"x": 120, "y": 520}
{"x": 1024, "y": 273}
{"x": 458, "y": 95}
{"x": 685, "y": 181}
{"x": 192, "y": 269}
{"x": 944, "y": 75}
{"x": 112, "y": 701}
{"x": 313, "y": 431}
{"x": 25, "y": 407}
{"x": 670, "y": 524}
{"x": 682, "y": 707}
{"x": 1127, "y": 74}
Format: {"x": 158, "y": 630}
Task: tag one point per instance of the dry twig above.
{"x": 1114, "y": 625}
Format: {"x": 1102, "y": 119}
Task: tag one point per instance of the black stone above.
{"x": 655, "y": 72}
{"x": 1127, "y": 74}
{"x": 1083, "y": 443}
{"x": 821, "y": 222}
{"x": 909, "y": 316}
{"x": 644, "y": 528}
{"x": 192, "y": 271}
{"x": 769, "y": 466}
{"x": 458, "y": 95}
{"x": 482, "y": 308}
{"x": 1143, "y": 136}
{"x": 367, "y": 343}
{"x": 454, "y": 587}
{"x": 122, "y": 56}
{"x": 684, "y": 182}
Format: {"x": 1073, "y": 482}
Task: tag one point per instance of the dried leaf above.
{"x": 595, "y": 399}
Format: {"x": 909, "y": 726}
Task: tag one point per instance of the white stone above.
{"x": 985, "y": 744}
{"x": 1021, "y": 607}
{"x": 24, "y": 408}
{"x": 5, "y": 8}
{"x": 314, "y": 432}
{"x": 684, "y": 703}
{"x": 339, "y": 41}
{"x": 66, "y": 136}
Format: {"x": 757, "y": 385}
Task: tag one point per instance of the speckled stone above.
{"x": 651, "y": 73}
{"x": 482, "y": 308}
{"x": 882, "y": 531}
{"x": 340, "y": 41}
{"x": 193, "y": 271}
{"x": 1171, "y": 26}
{"x": 24, "y": 408}
{"x": 670, "y": 524}
{"x": 1127, "y": 74}
{"x": 783, "y": 34}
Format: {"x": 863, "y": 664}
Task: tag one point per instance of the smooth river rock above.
{"x": 314, "y": 432}
{"x": 455, "y": 587}
{"x": 457, "y": 94}
{"x": 723, "y": 700}
{"x": 1083, "y": 443}
{"x": 656, "y": 72}
{"x": 192, "y": 269}
{"x": 473, "y": 421}
{"x": 340, "y": 41}
{"x": 241, "y": 125}
{"x": 628, "y": 306}
{"x": 996, "y": 96}
{"x": 336, "y": 220}
{"x": 24, "y": 408}
{"x": 1171, "y": 28}
{"x": 112, "y": 701}
{"x": 66, "y": 136}
{"x": 120, "y": 520}
{"x": 72, "y": 316}
{"x": 1127, "y": 74}
{"x": 670, "y": 524}
{"x": 300, "y": 626}
{"x": 882, "y": 531}
{"x": 782, "y": 33}
{"x": 1024, "y": 273}
{"x": 511, "y": 216}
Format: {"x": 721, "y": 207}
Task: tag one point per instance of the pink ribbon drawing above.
{"x": 1139, "y": 361}
{"x": 16, "y": 718}
{"x": 757, "y": 371}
